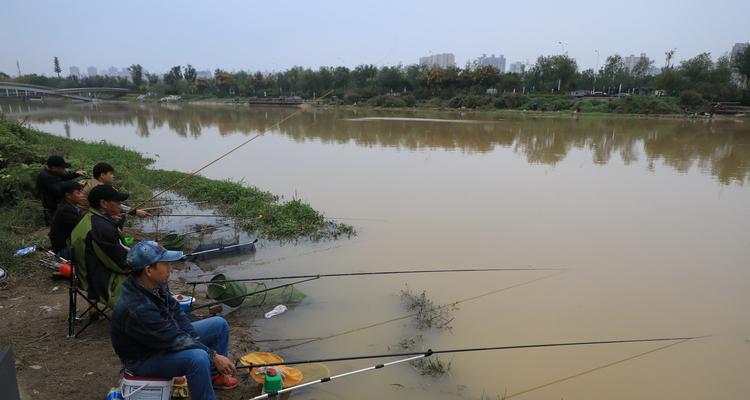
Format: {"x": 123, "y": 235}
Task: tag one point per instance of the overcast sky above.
{"x": 276, "y": 35}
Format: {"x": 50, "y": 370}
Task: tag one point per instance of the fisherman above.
{"x": 104, "y": 174}
{"x": 48, "y": 184}
{"x": 99, "y": 251}
{"x": 67, "y": 216}
{"x": 153, "y": 336}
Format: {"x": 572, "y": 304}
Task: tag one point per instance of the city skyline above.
{"x": 253, "y": 38}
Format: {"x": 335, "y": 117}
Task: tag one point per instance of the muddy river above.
{"x": 649, "y": 219}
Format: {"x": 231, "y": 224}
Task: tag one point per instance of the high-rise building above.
{"x": 494, "y": 61}
{"x": 74, "y": 71}
{"x": 113, "y": 71}
{"x": 631, "y": 61}
{"x": 517, "y": 68}
{"x": 92, "y": 71}
{"x": 444, "y": 60}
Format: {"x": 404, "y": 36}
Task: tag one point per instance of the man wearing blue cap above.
{"x": 153, "y": 336}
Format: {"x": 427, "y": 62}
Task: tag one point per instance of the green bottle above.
{"x": 272, "y": 381}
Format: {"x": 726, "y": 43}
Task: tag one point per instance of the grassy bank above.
{"x": 24, "y": 151}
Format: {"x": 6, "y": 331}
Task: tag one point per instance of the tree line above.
{"x": 699, "y": 79}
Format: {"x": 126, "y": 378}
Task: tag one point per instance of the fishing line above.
{"x": 588, "y": 371}
{"x": 232, "y": 150}
{"x": 476, "y": 349}
{"x": 331, "y": 336}
{"x": 374, "y": 273}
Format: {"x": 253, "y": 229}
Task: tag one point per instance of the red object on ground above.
{"x": 65, "y": 270}
{"x": 224, "y": 382}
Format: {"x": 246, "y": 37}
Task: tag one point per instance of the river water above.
{"x": 649, "y": 218}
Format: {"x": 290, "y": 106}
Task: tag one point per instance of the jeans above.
{"x": 194, "y": 363}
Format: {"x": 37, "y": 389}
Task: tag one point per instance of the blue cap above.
{"x": 149, "y": 252}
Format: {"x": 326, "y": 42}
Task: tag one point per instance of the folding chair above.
{"x": 75, "y": 290}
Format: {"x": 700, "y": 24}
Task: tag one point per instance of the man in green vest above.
{"x": 98, "y": 249}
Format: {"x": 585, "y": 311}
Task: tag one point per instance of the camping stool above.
{"x": 74, "y": 291}
{"x": 135, "y": 387}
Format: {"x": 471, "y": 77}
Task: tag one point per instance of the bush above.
{"x": 477, "y": 101}
{"x": 409, "y": 100}
{"x": 456, "y": 102}
{"x": 691, "y": 99}
{"x": 513, "y": 100}
{"x": 387, "y": 101}
{"x": 435, "y": 102}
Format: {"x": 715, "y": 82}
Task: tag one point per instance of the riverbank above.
{"x": 33, "y": 307}
{"x": 642, "y": 107}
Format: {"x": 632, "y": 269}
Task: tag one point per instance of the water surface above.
{"x": 650, "y": 216}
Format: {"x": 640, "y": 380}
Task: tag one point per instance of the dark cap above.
{"x": 69, "y": 186}
{"x": 57, "y": 161}
{"x": 105, "y": 192}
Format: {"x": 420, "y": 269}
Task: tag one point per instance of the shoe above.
{"x": 224, "y": 382}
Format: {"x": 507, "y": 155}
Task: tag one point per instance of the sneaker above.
{"x": 224, "y": 382}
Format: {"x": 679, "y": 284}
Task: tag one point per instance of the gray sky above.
{"x": 277, "y": 35}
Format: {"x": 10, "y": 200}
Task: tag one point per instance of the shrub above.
{"x": 691, "y": 99}
{"x": 386, "y": 101}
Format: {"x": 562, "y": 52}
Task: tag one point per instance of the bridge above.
{"x": 22, "y": 90}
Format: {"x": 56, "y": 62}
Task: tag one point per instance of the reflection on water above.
{"x": 721, "y": 148}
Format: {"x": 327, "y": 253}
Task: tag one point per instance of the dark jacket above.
{"x": 48, "y": 187}
{"x": 145, "y": 324}
{"x": 99, "y": 255}
{"x": 66, "y": 218}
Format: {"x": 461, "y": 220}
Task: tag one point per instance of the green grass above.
{"x": 24, "y": 151}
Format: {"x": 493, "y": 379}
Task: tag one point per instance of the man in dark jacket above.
{"x": 99, "y": 251}
{"x": 67, "y": 216}
{"x": 48, "y": 184}
{"x": 153, "y": 336}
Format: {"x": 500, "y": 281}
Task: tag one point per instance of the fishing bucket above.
{"x": 222, "y": 291}
{"x": 145, "y": 387}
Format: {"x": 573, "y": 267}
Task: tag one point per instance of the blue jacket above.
{"x": 145, "y": 324}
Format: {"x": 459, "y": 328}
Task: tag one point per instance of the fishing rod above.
{"x": 167, "y": 206}
{"x": 219, "y": 249}
{"x": 346, "y": 274}
{"x": 252, "y": 294}
{"x": 333, "y": 377}
{"x": 256, "y": 217}
{"x": 230, "y": 151}
{"x": 472, "y": 349}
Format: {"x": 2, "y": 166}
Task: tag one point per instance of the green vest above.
{"x": 78, "y": 239}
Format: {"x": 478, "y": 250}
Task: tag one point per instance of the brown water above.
{"x": 651, "y": 217}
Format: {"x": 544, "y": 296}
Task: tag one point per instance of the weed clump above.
{"x": 428, "y": 314}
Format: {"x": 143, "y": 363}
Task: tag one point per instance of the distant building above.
{"x": 631, "y": 61}
{"x": 517, "y": 68}
{"x": 444, "y": 60}
{"x": 74, "y": 71}
{"x": 92, "y": 71}
{"x": 493, "y": 61}
{"x": 204, "y": 74}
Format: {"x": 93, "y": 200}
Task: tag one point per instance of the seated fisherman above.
{"x": 48, "y": 184}
{"x": 153, "y": 336}
{"x": 98, "y": 249}
{"x": 66, "y": 217}
{"x": 104, "y": 174}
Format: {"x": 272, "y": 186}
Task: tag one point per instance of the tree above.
{"x": 153, "y": 79}
{"x": 190, "y": 73}
{"x": 741, "y": 63}
{"x": 136, "y": 74}
{"x": 173, "y": 76}
{"x": 57, "y": 67}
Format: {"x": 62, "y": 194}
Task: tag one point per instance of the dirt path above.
{"x": 33, "y": 311}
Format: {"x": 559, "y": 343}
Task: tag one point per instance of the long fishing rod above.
{"x": 230, "y": 151}
{"x": 333, "y": 377}
{"x": 256, "y": 217}
{"x": 252, "y": 294}
{"x": 473, "y": 349}
{"x": 346, "y": 274}
{"x": 219, "y": 249}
